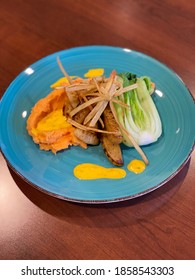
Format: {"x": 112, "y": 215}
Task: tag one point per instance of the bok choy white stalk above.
{"x": 141, "y": 119}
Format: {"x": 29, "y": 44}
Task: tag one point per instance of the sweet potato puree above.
{"x": 48, "y": 126}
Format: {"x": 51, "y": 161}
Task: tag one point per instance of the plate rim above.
{"x": 97, "y": 201}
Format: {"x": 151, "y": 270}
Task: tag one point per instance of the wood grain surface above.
{"x": 160, "y": 225}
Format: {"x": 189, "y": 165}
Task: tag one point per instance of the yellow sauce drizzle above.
{"x": 53, "y": 121}
{"x": 89, "y": 171}
{"x": 94, "y": 73}
{"x": 136, "y": 166}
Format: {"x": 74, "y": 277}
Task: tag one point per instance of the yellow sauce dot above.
{"x": 89, "y": 171}
{"x": 62, "y": 81}
{"x": 94, "y": 73}
{"x": 136, "y": 166}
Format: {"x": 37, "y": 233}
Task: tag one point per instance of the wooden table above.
{"x": 160, "y": 225}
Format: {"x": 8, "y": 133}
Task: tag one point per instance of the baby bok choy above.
{"x": 141, "y": 118}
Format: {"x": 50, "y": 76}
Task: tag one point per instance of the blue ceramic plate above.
{"x": 53, "y": 174}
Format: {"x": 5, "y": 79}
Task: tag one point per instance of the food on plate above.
{"x": 49, "y": 127}
{"x": 111, "y": 125}
{"x": 141, "y": 119}
{"x": 97, "y": 109}
{"x": 112, "y": 150}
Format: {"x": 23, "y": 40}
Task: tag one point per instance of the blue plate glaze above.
{"x": 53, "y": 174}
